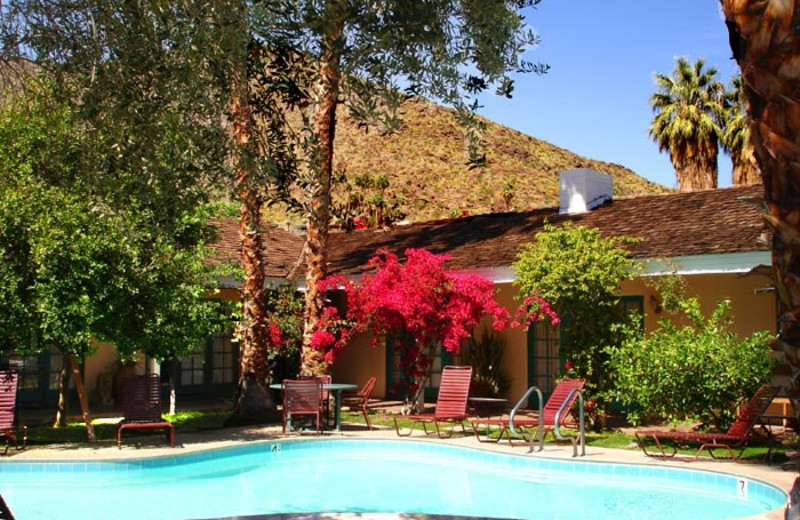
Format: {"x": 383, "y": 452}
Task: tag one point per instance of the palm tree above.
{"x": 736, "y": 137}
{"x": 689, "y": 109}
{"x": 766, "y": 44}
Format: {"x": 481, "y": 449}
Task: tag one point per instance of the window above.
{"x": 210, "y": 368}
{"x": 29, "y": 368}
{"x": 192, "y": 368}
{"x": 222, "y": 360}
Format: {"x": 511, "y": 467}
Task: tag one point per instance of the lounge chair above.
{"x": 562, "y": 393}
{"x": 141, "y": 404}
{"x": 301, "y": 398}
{"x": 451, "y": 403}
{"x": 361, "y": 399}
{"x": 737, "y": 437}
{"x": 8, "y": 407}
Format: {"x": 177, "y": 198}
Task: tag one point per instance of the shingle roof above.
{"x": 680, "y": 224}
{"x": 672, "y": 225}
{"x": 282, "y": 248}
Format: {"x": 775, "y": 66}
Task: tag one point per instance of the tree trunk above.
{"x": 252, "y": 398}
{"x": 76, "y": 375}
{"x": 745, "y": 167}
{"x": 327, "y": 94}
{"x": 63, "y": 388}
{"x": 766, "y": 45}
{"x": 696, "y": 167}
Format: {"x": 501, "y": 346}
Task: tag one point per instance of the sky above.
{"x": 602, "y": 54}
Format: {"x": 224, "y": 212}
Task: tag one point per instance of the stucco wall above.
{"x": 360, "y": 361}
{"x": 751, "y": 312}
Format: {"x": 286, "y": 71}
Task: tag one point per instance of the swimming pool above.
{"x": 374, "y": 476}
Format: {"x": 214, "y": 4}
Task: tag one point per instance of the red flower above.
{"x": 567, "y": 365}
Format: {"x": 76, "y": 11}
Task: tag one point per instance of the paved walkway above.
{"x": 153, "y": 446}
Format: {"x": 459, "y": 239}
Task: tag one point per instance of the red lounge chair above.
{"x": 361, "y": 399}
{"x": 301, "y": 398}
{"x": 141, "y": 404}
{"x": 451, "y": 403}
{"x": 562, "y": 393}
{"x": 8, "y": 407}
{"x": 738, "y": 435}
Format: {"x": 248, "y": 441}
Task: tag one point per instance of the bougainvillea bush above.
{"x": 420, "y": 304}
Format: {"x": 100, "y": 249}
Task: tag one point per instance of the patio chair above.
{"x": 451, "y": 403}
{"x": 737, "y": 437}
{"x": 361, "y": 399}
{"x": 324, "y": 395}
{"x": 141, "y": 405}
{"x": 301, "y": 397}
{"x": 562, "y": 396}
{"x": 8, "y": 407}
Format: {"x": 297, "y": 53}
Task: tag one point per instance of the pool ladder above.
{"x": 580, "y": 439}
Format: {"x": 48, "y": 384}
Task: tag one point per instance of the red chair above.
{"x": 324, "y": 395}
{"x": 8, "y": 408}
{"x": 737, "y": 437}
{"x": 141, "y": 405}
{"x": 451, "y": 403}
{"x": 301, "y": 398}
{"x": 562, "y": 395}
{"x": 361, "y": 399}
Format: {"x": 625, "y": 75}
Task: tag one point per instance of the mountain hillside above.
{"x": 426, "y": 165}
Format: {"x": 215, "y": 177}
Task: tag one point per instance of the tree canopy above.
{"x": 689, "y": 116}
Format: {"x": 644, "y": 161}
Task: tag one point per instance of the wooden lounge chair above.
{"x": 451, "y": 403}
{"x": 737, "y": 437}
{"x": 141, "y": 404}
{"x": 361, "y": 399}
{"x": 301, "y": 398}
{"x": 562, "y": 394}
{"x": 8, "y": 407}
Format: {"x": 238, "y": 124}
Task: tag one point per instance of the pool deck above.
{"x": 154, "y": 446}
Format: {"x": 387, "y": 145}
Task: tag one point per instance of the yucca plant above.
{"x": 485, "y": 356}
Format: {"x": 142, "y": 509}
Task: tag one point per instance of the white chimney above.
{"x": 582, "y": 190}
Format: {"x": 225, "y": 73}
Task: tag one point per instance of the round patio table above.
{"x": 336, "y": 389}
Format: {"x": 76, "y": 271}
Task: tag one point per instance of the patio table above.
{"x": 335, "y": 389}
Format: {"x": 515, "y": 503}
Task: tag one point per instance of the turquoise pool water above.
{"x": 374, "y": 476}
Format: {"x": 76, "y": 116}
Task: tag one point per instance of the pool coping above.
{"x": 207, "y": 442}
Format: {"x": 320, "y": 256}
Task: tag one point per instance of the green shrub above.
{"x": 695, "y": 372}
{"x": 485, "y": 356}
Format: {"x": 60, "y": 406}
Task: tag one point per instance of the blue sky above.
{"x": 602, "y": 56}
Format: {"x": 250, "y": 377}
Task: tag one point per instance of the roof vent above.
{"x": 582, "y": 190}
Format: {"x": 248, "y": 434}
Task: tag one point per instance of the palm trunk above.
{"x": 696, "y": 168}
{"x": 313, "y": 361}
{"x": 766, "y": 45}
{"x": 76, "y": 375}
{"x": 745, "y": 167}
{"x": 253, "y": 399}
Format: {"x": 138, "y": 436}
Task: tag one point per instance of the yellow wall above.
{"x": 751, "y": 312}
{"x": 359, "y": 361}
